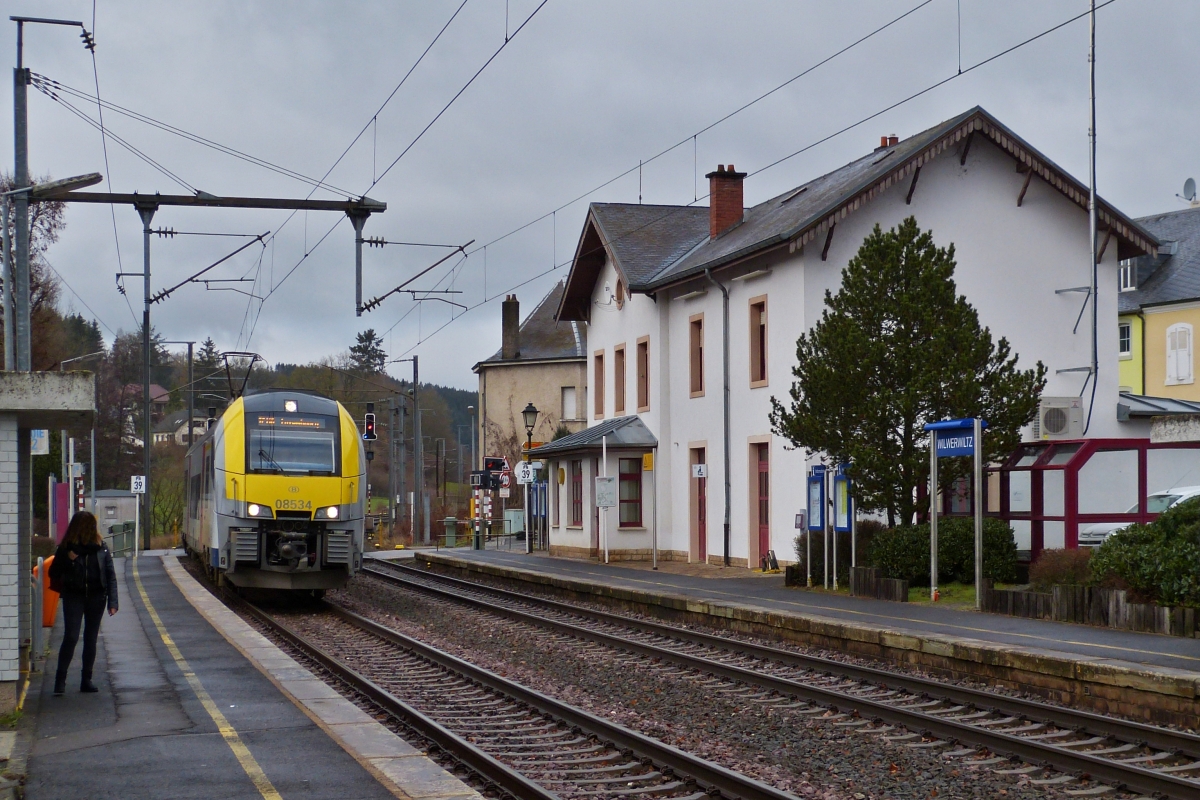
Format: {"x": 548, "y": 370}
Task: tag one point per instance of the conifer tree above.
{"x": 895, "y": 348}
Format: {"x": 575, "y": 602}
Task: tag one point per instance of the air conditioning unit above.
{"x": 1059, "y": 418}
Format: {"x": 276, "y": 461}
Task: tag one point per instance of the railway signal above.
{"x": 369, "y": 434}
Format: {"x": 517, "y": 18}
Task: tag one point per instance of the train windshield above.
{"x": 304, "y": 444}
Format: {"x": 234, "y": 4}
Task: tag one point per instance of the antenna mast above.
{"x": 1092, "y": 209}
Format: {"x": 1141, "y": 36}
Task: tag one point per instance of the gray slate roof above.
{"x": 790, "y": 214}
{"x": 645, "y": 240}
{"x": 175, "y": 420}
{"x": 657, "y": 246}
{"x": 1138, "y": 405}
{"x": 542, "y": 337}
{"x": 620, "y": 432}
{"x": 1168, "y": 278}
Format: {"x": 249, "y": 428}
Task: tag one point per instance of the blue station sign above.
{"x": 955, "y": 437}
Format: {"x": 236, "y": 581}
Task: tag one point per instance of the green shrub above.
{"x": 1059, "y": 567}
{"x": 904, "y": 552}
{"x": 1159, "y": 562}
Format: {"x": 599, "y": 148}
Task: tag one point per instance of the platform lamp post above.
{"x": 529, "y": 415}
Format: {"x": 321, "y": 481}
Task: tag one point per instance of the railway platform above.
{"x": 1143, "y": 675}
{"x": 194, "y": 703}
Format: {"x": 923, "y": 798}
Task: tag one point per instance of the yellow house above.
{"x": 1159, "y": 311}
{"x": 1130, "y": 363}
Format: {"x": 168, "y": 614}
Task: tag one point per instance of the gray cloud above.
{"x": 585, "y": 91}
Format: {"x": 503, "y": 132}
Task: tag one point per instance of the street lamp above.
{"x": 530, "y": 416}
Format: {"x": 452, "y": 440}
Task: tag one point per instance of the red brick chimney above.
{"x": 724, "y": 199}
{"x": 510, "y": 328}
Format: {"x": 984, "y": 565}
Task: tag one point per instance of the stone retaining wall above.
{"x": 1155, "y": 694}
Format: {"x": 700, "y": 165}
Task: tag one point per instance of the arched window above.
{"x": 620, "y": 293}
{"x": 1179, "y": 354}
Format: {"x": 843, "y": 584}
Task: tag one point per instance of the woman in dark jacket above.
{"x": 83, "y": 570}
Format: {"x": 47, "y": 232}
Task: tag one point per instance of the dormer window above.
{"x": 1127, "y": 276}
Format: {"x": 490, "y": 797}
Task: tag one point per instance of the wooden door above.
{"x": 701, "y": 509}
{"x": 764, "y": 500}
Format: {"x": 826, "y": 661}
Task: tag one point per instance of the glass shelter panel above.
{"x": 1053, "y": 534}
{"x": 1022, "y": 533}
{"x": 1108, "y": 482}
{"x": 1168, "y": 468}
{"x": 1020, "y": 498}
{"x": 1053, "y": 493}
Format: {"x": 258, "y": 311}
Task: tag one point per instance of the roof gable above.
{"x": 641, "y": 240}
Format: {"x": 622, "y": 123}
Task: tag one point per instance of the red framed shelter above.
{"x": 1048, "y": 489}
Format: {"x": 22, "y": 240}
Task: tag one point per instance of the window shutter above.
{"x": 1185, "y": 353}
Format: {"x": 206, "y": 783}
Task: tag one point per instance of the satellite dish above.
{"x": 1189, "y": 189}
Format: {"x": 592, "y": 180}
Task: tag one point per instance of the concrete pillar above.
{"x": 11, "y": 512}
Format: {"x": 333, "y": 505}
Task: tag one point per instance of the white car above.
{"x": 1094, "y": 534}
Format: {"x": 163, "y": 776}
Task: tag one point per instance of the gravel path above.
{"x": 791, "y": 751}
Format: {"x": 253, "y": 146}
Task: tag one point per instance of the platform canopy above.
{"x": 625, "y": 433}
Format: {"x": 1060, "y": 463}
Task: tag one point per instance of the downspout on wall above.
{"x": 725, "y": 399}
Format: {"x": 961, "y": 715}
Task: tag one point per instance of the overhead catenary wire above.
{"x": 693, "y": 137}
{"x": 79, "y": 297}
{"x": 112, "y": 208}
{"x": 58, "y": 86}
{"x": 776, "y": 162}
{"x": 408, "y": 148}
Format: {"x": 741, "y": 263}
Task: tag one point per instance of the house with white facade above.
{"x": 693, "y": 316}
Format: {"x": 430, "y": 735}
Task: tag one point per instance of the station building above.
{"x": 667, "y": 291}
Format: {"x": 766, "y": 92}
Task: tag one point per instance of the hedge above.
{"x": 1159, "y": 562}
{"x": 904, "y": 552}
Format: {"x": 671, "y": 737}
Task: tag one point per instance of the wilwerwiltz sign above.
{"x": 955, "y": 443}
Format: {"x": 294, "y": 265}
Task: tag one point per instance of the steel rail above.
{"x": 1097, "y": 724}
{"x": 468, "y": 754}
{"x": 1031, "y": 751}
{"x": 708, "y": 775}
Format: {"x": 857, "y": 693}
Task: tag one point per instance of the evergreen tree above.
{"x": 367, "y": 355}
{"x": 898, "y": 347}
{"x": 210, "y": 377}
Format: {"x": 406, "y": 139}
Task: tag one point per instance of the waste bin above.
{"x": 451, "y": 531}
{"x": 49, "y": 596}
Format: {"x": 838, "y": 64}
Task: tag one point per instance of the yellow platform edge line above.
{"x": 253, "y": 771}
{"x": 385, "y": 780}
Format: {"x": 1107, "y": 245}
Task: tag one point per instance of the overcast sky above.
{"x": 583, "y": 92}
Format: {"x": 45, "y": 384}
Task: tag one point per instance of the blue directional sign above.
{"x": 955, "y": 437}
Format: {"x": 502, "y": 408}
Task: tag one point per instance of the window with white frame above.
{"x": 1179, "y": 354}
{"x": 1127, "y": 276}
{"x": 568, "y": 403}
{"x": 1125, "y": 339}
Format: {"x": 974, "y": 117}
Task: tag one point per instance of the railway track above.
{"x": 1084, "y": 754}
{"x": 529, "y": 745}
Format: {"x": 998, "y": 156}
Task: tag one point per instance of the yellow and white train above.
{"x": 276, "y": 490}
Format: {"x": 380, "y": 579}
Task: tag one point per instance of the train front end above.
{"x": 288, "y": 488}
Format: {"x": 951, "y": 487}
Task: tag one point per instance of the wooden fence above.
{"x": 1091, "y": 605}
{"x": 869, "y": 582}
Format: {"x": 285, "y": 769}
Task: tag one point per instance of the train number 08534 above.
{"x": 294, "y": 505}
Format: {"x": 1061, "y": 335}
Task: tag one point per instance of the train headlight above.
{"x": 329, "y": 512}
{"x": 260, "y": 512}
